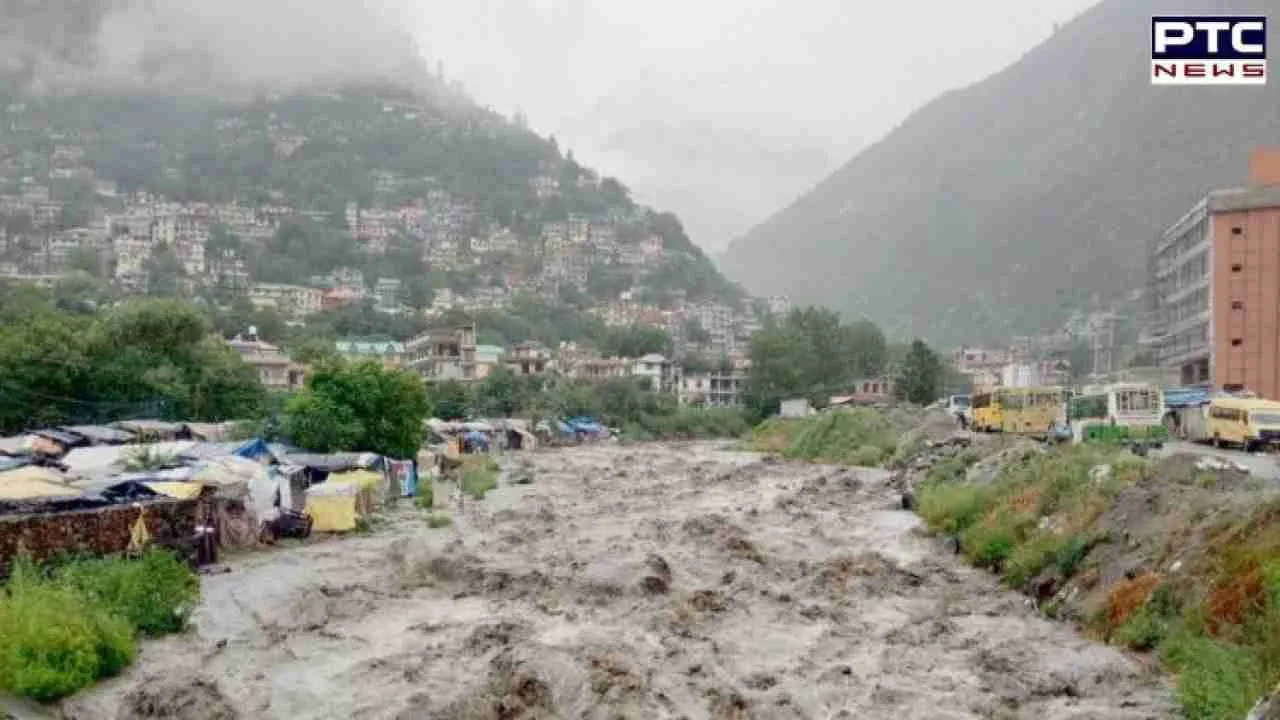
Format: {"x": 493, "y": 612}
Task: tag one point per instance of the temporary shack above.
{"x": 154, "y": 430}
{"x": 56, "y": 443}
{"x": 210, "y": 432}
{"x": 234, "y": 503}
{"x": 16, "y": 445}
{"x": 106, "y": 460}
{"x": 332, "y": 507}
{"x": 31, "y": 482}
{"x": 100, "y": 434}
{"x": 340, "y": 502}
{"x": 403, "y": 476}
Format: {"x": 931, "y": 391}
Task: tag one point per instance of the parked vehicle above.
{"x": 1247, "y": 422}
{"x": 958, "y": 405}
{"x": 1024, "y": 411}
{"x": 985, "y": 414}
{"x": 1128, "y": 413}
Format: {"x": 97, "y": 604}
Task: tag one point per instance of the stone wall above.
{"x": 98, "y": 531}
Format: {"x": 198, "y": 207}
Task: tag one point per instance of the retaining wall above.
{"x": 98, "y": 531}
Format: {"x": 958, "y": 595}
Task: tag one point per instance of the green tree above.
{"x": 451, "y": 400}
{"x": 920, "y": 377}
{"x": 810, "y": 354}
{"x": 360, "y": 406}
{"x": 500, "y": 394}
{"x": 636, "y": 341}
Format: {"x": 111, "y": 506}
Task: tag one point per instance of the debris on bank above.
{"x": 1179, "y": 556}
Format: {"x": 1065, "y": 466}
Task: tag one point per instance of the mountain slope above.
{"x": 993, "y": 207}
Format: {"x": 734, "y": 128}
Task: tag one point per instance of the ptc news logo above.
{"x": 1209, "y": 50}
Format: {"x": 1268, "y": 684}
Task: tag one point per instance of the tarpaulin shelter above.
{"x": 15, "y": 445}
{"x": 31, "y": 482}
{"x": 100, "y": 434}
{"x": 57, "y": 442}
{"x": 339, "y": 503}
{"x": 154, "y": 430}
{"x": 106, "y": 460}
{"x": 210, "y": 432}
{"x": 403, "y": 475}
{"x": 255, "y": 449}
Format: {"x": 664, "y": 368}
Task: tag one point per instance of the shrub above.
{"x": 867, "y": 456}
{"x": 1216, "y": 681}
{"x": 991, "y": 542}
{"x": 952, "y": 508}
{"x": 439, "y": 520}
{"x": 479, "y": 476}
{"x": 54, "y": 640}
{"x": 1144, "y": 630}
{"x": 155, "y": 593}
{"x": 424, "y": 497}
{"x": 837, "y": 437}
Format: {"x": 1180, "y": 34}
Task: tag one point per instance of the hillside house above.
{"x": 529, "y": 358}
{"x": 292, "y": 300}
{"x": 658, "y": 369}
{"x": 383, "y": 350}
{"x": 276, "y": 371}
{"x": 443, "y": 354}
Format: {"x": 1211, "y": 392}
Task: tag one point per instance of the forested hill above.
{"x": 997, "y": 207}
{"x": 231, "y": 158}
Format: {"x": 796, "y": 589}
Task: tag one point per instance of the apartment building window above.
{"x": 1237, "y": 231}
{"x": 1237, "y": 342}
{"x": 1237, "y": 305}
{"x": 1237, "y": 267}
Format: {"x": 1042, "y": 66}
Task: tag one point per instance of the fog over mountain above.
{"x": 725, "y": 111}
{"x": 206, "y": 45}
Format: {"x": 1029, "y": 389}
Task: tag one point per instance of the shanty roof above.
{"x": 34, "y": 482}
{"x": 213, "y": 432}
{"x": 103, "y": 460}
{"x": 100, "y": 434}
{"x": 16, "y": 445}
{"x": 63, "y": 438}
{"x": 151, "y": 427}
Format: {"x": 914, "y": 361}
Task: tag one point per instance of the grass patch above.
{"x": 479, "y": 475}
{"x": 859, "y": 436}
{"x": 1214, "y": 622}
{"x": 439, "y": 520}
{"x": 63, "y": 629}
{"x": 424, "y": 498}
{"x": 155, "y": 593}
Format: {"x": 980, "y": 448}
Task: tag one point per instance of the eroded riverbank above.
{"x": 631, "y": 582}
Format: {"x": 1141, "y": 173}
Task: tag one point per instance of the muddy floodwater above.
{"x": 654, "y": 582}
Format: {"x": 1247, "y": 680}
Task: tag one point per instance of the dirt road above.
{"x": 641, "y": 583}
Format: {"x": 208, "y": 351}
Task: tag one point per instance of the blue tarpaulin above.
{"x": 586, "y": 425}
{"x": 1188, "y": 396}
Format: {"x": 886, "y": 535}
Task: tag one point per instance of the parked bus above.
{"x": 986, "y": 413}
{"x": 1248, "y": 422}
{"x": 1125, "y": 412}
{"x": 1032, "y": 411}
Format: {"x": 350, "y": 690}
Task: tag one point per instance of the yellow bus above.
{"x": 986, "y": 413}
{"x": 1032, "y": 411}
{"x": 1248, "y": 422}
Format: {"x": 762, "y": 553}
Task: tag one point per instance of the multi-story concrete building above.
{"x": 721, "y": 387}
{"x": 660, "y": 371}
{"x": 1214, "y": 286}
{"x": 443, "y": 355}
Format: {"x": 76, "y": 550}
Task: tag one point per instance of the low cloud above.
{"x": 208, "y": 45}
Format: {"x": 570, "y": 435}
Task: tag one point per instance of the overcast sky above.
{"x": 724, "y": 111}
